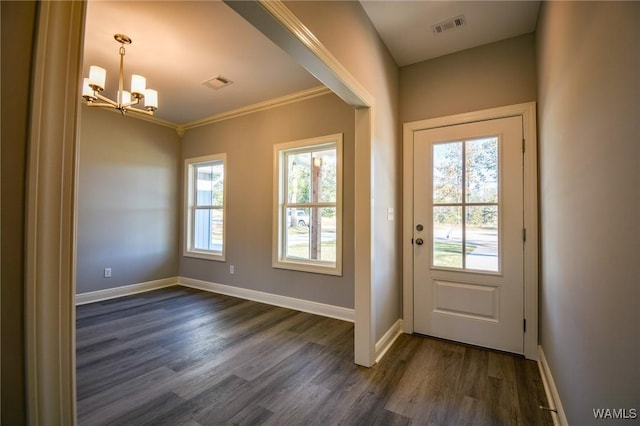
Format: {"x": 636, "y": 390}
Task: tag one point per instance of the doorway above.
{"x": 50, "y": 256}
{"x": 468, "y": 247}
{"x": 470, "y": 270}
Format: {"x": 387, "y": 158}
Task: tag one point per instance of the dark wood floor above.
{"x": 184, "y": 357}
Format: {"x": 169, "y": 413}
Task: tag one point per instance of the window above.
{"x": 205, "y": 207}
{"x": 466, "y": 204}
{"x": 308, "y": 205}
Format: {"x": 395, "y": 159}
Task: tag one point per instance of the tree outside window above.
{"x": 308, "y": 208}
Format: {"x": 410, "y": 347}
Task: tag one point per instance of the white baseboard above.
{"x": 127, "y": 290}
{"x": 559, "y": 418}
{"x": 385, "y": 342}
{"x": 322, "y": 309}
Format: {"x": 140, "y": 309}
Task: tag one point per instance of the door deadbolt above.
{"x": 419, "y": 227}
{"x": 419, "y": 241}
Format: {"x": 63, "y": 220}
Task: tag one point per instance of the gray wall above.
{"x": 128, "y": 195}
{"x": 589, "y": 143}
{"x": 344, "y": 28}
{"x": 248, "y": 142}
{"x": 494, "y": 75}
{"x": 18, "y": 23}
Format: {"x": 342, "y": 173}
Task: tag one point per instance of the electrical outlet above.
{"x": 232, "y": 269}
{"x": 107, "y": 272}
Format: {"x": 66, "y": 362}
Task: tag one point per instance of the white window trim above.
{"x": 278, "y": 260}
{"x": 188, "y": 250}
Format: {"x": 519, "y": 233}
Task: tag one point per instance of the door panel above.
{"x": 470, "y": 300}
{"x": 468, "y": 214}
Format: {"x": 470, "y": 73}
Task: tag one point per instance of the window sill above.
{"x": 308, "y": 267}
{"x": 204, "y": 255}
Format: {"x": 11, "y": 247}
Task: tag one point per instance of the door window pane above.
{"x": 481, "y": 169}
{"x": 447, "y": 236}
{"x": 481, "y": 235}
{"x": 447, "y": 172}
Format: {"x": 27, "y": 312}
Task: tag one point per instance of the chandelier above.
{"x": 125, "y": 101}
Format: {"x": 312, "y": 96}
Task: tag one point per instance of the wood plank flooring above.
{"x": 179, "y": 356}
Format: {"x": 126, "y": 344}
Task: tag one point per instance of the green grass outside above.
{"x": 449, "y": 254}
{"x": 301, "y": 250}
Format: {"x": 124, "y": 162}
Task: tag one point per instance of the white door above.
{"x": 468, "y": 233}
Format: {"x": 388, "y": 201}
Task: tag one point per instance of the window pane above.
{"x": 208, "y": 230}
{"x": 482, "y": 170}
{"x": 447, "y": 236}
{"x": 324, "y": 176}
{"x": 482, "y": 238}
{"x": 297, "y": 223}
{"x": 299, "y": 177}
{"x": 327, "y": 234}
{"x": 311, "y": 234}
{"x": 209, "y": 184}
{"x": 297, "y": 217}
{"x": 447, "y": 172}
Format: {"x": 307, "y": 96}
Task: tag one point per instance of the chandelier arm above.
{"x": 99, "y": 104}
{"x": 139, "y": 111}
{"x": 105, "y": 99}
{"x": 130, "y": 104}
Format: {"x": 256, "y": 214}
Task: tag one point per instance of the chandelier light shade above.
{"x": 125, "y": 101}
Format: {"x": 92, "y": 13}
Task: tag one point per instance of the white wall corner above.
{"x": 553, "y": 397}
{"x": 386, "y": 341}
{"x": 127, "y": 290}
{"x": 322, "y": 309}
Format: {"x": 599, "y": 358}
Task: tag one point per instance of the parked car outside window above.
{"x": 301, "y": 218}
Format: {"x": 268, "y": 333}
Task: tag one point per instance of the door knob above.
{"x": 419, "y": 241}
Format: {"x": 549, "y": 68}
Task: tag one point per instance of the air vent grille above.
{"x": 449, "y": 24}
{"x": 217, "y": 82}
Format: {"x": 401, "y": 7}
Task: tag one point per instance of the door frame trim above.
{"x": 530, "y": 175}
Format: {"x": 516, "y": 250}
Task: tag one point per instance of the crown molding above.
{"x": 260, "y": 106}
{"x": 249, "y": 109}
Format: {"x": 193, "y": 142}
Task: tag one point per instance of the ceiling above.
{"x": 177, "y": 45}
{"x": 406, "y": 26}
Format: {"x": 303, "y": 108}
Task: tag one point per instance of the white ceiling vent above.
{"x": 449, "y": 24}
{"x": 217, "y": 82}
